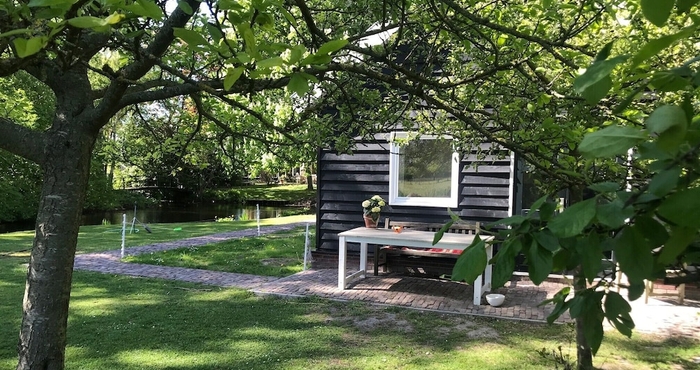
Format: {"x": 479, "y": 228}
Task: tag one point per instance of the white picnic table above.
{"x": 406, "y": 238}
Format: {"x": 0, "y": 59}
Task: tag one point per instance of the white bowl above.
{"x": 495, "y": 300}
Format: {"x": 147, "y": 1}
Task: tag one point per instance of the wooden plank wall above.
{"x": 344, "y": 181}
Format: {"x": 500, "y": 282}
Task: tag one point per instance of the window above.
{"x": 423, "y": 172}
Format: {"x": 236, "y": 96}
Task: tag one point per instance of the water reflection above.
{"x": 166, "y": 214}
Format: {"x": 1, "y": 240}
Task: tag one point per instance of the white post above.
{"x": 306, "y": 246}
{"x": 123, "y": 233}
{"x": 257, "y": 216}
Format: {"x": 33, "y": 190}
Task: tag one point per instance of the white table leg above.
{"x": 363, "y": 258}
{"x": 489, "y": 268}
{"x": 477, "y": 290}
{"x": 341, "y": 262}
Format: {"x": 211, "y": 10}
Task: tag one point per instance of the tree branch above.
{"x": 21, "y": 140}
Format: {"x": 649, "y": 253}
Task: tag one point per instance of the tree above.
{"x": 160, "y": 55}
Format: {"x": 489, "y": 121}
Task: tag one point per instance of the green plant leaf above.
{"x": 504, "y": 265}
{"x": 50, "y": 3}
{"x": 597, "y": 91}
{"x": 679, "y": 240}
{"x": 617, "y": 311}
{"x": 596, "y": 72}
{"x": 151, "y": 9}
{"x": 683, "y": 6}
{"x": 539, "y": 262}
{"x": 682, "y": 208}
{"x": 15, "y": 32}
{"x": 298, "y": 84}
{"x": 87, "y": 22}
{"x": 611, "y": 141}
{"x": 191, "y": 37}
{"x": 331, "y": 46}
{"x": 574, "y": 219}
{"x": 614, "y": 214}
{"x": 232, "y": 75}
{"x": 471, "y": 263}
{"x": 657, "y": 11}
{"x": 547, "y": 240}
{"x": 442, "y": 231}
{"x": 28, "y": 47}
{"x": 591, "y": 253}
{"x": 185, "y": 7}
{"x": 270, "y": 63}
{"x": 634, "y": 254}
{"x": 296, "y": 53}
{"x": 635, "y": 290}
{"x": 593, "y": 316}
{"x": 655, "y": 46}
{"x": 605, "y": 187}
{"x": 663, "y": 182}
{"x": 669, "y": 122}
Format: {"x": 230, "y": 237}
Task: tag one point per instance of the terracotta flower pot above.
{"x": 369, "y": 222}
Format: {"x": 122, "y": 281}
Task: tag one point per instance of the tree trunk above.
{"x": 66, "y": 170}
{"x": 584, "y": 354}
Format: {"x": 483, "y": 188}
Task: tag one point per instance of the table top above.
{"x": 409, "y": 238}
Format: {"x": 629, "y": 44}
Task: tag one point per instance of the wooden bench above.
{"x": 384, "y": 251}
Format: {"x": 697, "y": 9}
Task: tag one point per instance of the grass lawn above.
{"x": 277, "y": 254}
{"x": 119, "y": 322}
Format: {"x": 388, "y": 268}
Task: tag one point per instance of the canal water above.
{"x": 166, "y": 214}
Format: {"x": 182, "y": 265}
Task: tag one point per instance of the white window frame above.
{"x": 396, "y": 200}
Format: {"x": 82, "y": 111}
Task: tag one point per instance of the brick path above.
{"x": 660, "y": 316}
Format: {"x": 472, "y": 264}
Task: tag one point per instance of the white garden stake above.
{"x": 257, "y": 216}
{"x": 123, "y": 233}
{"x": 306, "y": 246}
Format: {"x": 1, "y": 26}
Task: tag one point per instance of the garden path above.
{"x": 660, "y": 316}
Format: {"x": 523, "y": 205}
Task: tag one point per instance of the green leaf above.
{"x": 192, "y": 38}
{"x": 634, "y": 254}
{"x": 296, "y": 53}
{"x": 151, "y": 9}
{"x": 617, "y": 311}
{"x": 665, "y": 118}
{"x": 591, "y": 256}
{"x": 87, "y": 22}
{"x": 561, "y": 305}
{"x": 655, "y": 46}
{"x": 667, "y": 81}
{"x": 251, "y": 45}
{"x": 442, "y": 231}
{"x": 314, "y": 59}
{"x": 214, "y": 32}
{"x": 605, "y": 187}
{"x": 298, "y": 84}
{"x": 510, "y": 221}
{"x": 331, "y": 46}
{"x": 471, "y": 263}
{"x": 651, "y": 229}
{"x": 547, "y": 240}
{"x": 15, "y": 32}
{"x": 504, "y": 265}
{"x": 663, "y": 182}
{"x": 596, "y": 72}
{"x": 232, "y": 75}
{"x": 597, "y": 91}
{"x": 593, "y": 317}
{"x": 669, "y": 122}
{"x": 270, "y": 63}
{"x": 539, "y": 262}
{"x": 604, "y": 53}
{"x": 28, "y": 47}
{"x": 610, "y": 141}
{"x": 50, "y": 3}
{"x": 114, "y": 18}
{"x": 679, "y": 240}
{"x": 574, "y": 219}
{"x": 614, "y": 214}
{"x": 682, "y": 208}
{"x": 657, "y": 11}
{"x": 635, "y": 290}
{"x": 683, "y": 6}
{"x": 185, "y": 7}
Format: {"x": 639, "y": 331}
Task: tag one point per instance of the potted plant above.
{"x": 371, "y": 209}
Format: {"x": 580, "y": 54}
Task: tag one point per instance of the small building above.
{"x": 420, "y": 181}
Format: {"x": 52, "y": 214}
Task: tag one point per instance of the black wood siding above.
{"x": 344, "y": 181}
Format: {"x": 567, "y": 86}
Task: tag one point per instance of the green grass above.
{"x": 119, "y": 322}
{"x": 278, "y": 254}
